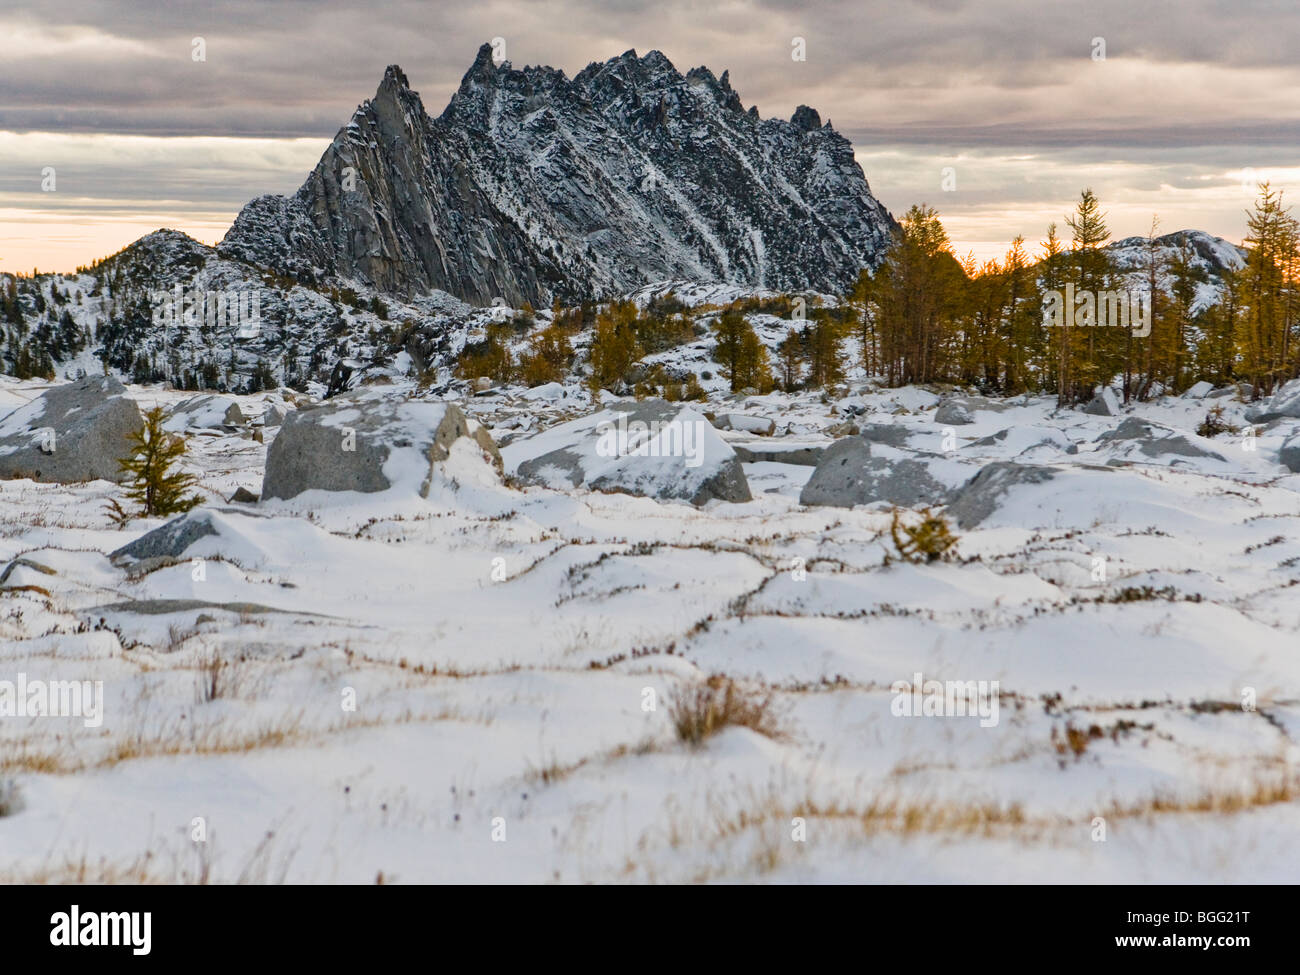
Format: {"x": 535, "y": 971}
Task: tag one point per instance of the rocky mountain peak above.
{"x": 806, "y": 119}
{"x": 531, "y": 185}
{"x": 394, "y": 76}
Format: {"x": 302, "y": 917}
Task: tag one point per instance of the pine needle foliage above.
{"x": 931, "y": 540}
{"x": 153, "y": 484}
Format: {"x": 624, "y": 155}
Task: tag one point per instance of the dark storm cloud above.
{"x": 297, "y": 68}
{"x": 1193, "y": 99}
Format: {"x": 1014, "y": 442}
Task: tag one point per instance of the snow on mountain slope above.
{"x": 1209, "y": 257}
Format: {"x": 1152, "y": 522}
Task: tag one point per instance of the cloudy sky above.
{"x": 1192, "y": 102}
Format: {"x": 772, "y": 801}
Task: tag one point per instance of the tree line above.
{"x": 926, "y": 316}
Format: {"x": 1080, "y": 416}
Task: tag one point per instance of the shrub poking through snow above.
{"x": 1214, "y": 424}
{"x": 931, "y": 540}
{"x": 702, "y": 710}
{"x": 152, "y": 483}
{"x": 118, "y": 515}
{"x": 217, "y": 678}
{"x": 10, "y": 802}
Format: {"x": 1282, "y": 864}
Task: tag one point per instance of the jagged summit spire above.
{"x": 531, "y": 186}
{"x": 806, "y": 119}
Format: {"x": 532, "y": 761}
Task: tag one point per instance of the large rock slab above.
{"x": 1289, "y": 455}
{"x": 247, "y": 538}
{"x": 1141, "y": 441}
{"x": 1059, "y": 497}
{"x": 207, "y": 412}
{"x": 890, "y": 434}
{"x": 762, "y": 426}
{"x": 984, "y": 493}
{"x": 367, "y": 445}
{"x": 803, "y": 455}
{"x": 654, "y": 449}
{"x": 961, "y": 410}
{"x": 1284, "y": 403}
{"x": 1105, "y": 403}
{"x": 168, "y": 542}
{"x": 71, "y": 433}
{"x": 1021, "y": 440}
{"x": 855, "y": 471}
{"x": 1220, "y": 392}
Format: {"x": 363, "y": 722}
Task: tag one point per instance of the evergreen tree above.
{"x": 1157, "y": 346}
{"x": 824, "y": 341}
{"x": 614, "y": 346}
{"x": 548, "y": 356}
{"x": 1023, "y": 333}
{"x": 790, "y": 356}
{"x": 752, "y": 370}
{"x": 1266, "y": 292}
{"x": 1096, "y": 356}
{"x": 1187, "y": 278}
{"x": 152, "y": 484}
{"x": 728, "y": 331}
{"x": 915, "y": 298}
{"x": 863, "y": 299}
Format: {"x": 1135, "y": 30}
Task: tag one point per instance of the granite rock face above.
{"x": 1136, "y": 439}
{"x": 855, "y": 471}
{"x": 367, "y": 446}
{"x": 71, "y": 433}
{"x": 985, "y": 492}
{"x": 1285, "y": 403}
{"x": 652, "y": 448}
{"x": 1104, "y": 403}
{"x": 167, "y": 542}
{"x": 532, "y": 185}
{"x": 1289, "y": 454}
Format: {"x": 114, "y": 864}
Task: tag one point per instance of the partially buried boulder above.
{"x": 1284, "y": 403}
{"x": 207, "y": 412}
{"x": 1289, "y": 455}
{"x": 982, "y": 495}
{"x": 1014, "y": 441}
{"x": 653, "y": 448}
{"x": 71, "y": 433}
{"x": 804, "y": 455}
{"x": 961, "y": 410}
{"x": 368, "y": 445}
{"x": 890, "y": 434}
{"x": 1141, "y": 440}
{"x": 1105, "y": 403}
{"x": 854, "y": 471}
{"x": 953, "y": 413}
{"x": 763, "y": 426}
{"x": 166, "y": 543}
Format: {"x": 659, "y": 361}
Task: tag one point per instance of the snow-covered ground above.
{"x": 514, "y": 655}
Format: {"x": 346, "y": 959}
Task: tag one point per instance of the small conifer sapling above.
{"x": 152, "y": 484}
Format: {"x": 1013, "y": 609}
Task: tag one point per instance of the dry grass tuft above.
{"x": 10, "y": 799}
{"x": 218, "y": 678}
{"x": 700, "y": 711}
